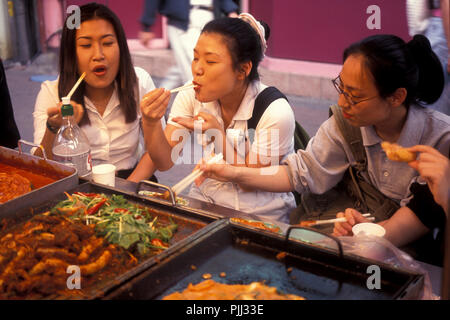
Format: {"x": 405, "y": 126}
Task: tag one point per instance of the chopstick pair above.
{"x": 183, "y": 184}
{"x": 76, "y": 85}
{"x": 188, "y": 86}
{"x": 309, "y": 223}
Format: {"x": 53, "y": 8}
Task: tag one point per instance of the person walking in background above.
{"x": 9, "y": 134}
{"x": 186, "y": 19}
{"x": 431, "y": 18}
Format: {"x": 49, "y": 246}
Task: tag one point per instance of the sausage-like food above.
{"x": 96, "y": 266}
{"x": 89, "y": 248}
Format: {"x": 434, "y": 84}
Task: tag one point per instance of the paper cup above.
{"x": 104, "y": 174}
{"x": 368, "y": 228}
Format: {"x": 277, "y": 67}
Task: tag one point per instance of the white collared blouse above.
{"x": 112, "y": 140}
{"x": 278, "y": 118}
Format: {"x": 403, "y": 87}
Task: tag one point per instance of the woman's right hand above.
{"x": 154, "y": 105}
{"x": 55, "y": 118}
{"x": 345, "y": 228}
{"x": 218, "y": 171}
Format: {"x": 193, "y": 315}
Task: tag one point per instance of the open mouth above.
{"x": 99, "y": 70}
{"x": 346, "y": 115}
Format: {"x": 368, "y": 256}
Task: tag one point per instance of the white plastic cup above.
{"x": 104, "y": 174}
{"x": 369, "y": 228}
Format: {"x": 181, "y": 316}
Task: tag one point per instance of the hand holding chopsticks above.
{"x": 183, "y": 184}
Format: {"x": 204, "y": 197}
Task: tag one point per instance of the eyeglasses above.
{"x": 350, "y": 99}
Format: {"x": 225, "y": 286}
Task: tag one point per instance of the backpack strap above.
{"x": 262, "y": 102}
{"x": 352, "y": 136}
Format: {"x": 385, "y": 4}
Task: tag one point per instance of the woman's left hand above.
{"x": 209, "y": 122}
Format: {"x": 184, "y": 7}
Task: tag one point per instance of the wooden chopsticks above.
{"x": 309, "y": 223}
{"x": 183, "y": 184}
{"x": 188, "y": 86}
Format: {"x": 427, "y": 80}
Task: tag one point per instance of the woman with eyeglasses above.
{"x": 384, "y": 87}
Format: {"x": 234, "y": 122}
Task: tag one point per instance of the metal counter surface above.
{"x": 434, "y": 272}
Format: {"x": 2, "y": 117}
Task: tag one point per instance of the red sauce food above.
{"x": 15, "y": 181}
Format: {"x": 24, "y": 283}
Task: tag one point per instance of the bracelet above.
{"x": 51, "y": 128}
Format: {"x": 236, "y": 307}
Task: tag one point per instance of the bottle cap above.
{"x": 65, "y": 100}
{"x": 66, "y": 109}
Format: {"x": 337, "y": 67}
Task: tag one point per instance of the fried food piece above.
{"x": 395, "y": 152}
{"x": 211, "y": 290}
{"x": 89, "y": 248}
{"x": 96, "y": 266}
{"x": 50, "y": 263}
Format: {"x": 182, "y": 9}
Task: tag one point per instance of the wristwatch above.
{"x": 51, "y": 128}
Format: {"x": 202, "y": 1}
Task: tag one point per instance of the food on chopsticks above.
{"x": 257, "y": 224}
{"x": 395, "y": 152}
{"x": 35, "y": 256}
{"x": 211, "y": 290}
{"x": 164, "y": 196}
{"x": 130, "y": 226}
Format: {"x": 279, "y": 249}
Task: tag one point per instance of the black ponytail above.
{"x": 431, "y": 75}
{"x": 395, "y": 64}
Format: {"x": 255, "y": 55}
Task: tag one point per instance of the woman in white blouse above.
{"x": 106, "y": 103}
{"x": 224, "y": 69}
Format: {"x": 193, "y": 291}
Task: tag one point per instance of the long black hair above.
{"x": 242, "y": 41}
{"x": 395, "y": 64}
{"x": 68, "y": 72}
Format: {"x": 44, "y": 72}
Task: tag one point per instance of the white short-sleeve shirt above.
{"x": 274, "y": 135}
{"x": 112, "y": 140}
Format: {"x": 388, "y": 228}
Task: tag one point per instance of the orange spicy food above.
{"x": 257, "y": 224}
{"x": 12, "y": 185}
{"x": 35, "y": 256}
{"x": 15, "y": 181}
{"x": 211, "y": 290}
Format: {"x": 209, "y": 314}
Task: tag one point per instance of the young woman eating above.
{"x": 106, "y": 104}
{"x": 224, "y": 69}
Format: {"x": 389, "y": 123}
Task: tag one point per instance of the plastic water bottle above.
{"x": 71, "y": 146}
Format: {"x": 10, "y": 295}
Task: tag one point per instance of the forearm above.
{"x": 403, "y": 227}
{"x": 143, "y": 170}
{"x": 271, "y": 179}
{"x": 158, "y": 148}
